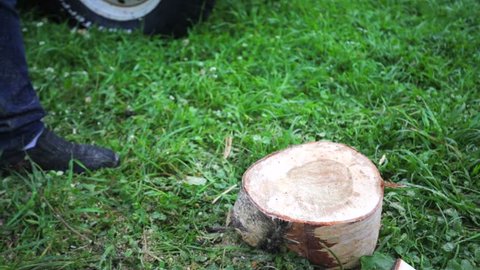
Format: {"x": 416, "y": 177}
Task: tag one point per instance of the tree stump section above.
{"x": 323, "y": 200}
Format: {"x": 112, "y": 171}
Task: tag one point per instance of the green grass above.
{"x": 393, "y": 78}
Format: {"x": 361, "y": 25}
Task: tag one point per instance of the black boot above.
{"x": 54, "y": 153}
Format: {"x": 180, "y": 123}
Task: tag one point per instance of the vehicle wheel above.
{"x": 168, "y": 17}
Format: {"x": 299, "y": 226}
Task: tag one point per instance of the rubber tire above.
{"x": 170, "y": 17}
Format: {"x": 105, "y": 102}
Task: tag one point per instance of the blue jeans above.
{"x": 20, "y": 109}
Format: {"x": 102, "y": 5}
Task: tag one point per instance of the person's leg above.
{"x": 20, "y": 109}
{"x": 22, "y": 132}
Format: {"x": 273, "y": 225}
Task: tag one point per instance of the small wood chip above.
{"x": 402, "y": 265}
{"x": 383, "y": 159}
{"x": 392, "y": 185}
{"x": 228, "y": 147}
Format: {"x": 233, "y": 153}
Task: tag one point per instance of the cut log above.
{"x": 323, "y": 200}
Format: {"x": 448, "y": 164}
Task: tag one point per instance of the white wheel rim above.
{"x": 125, "y": 10}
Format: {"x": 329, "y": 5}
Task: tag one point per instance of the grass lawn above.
{"x": 394, "y": 79}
